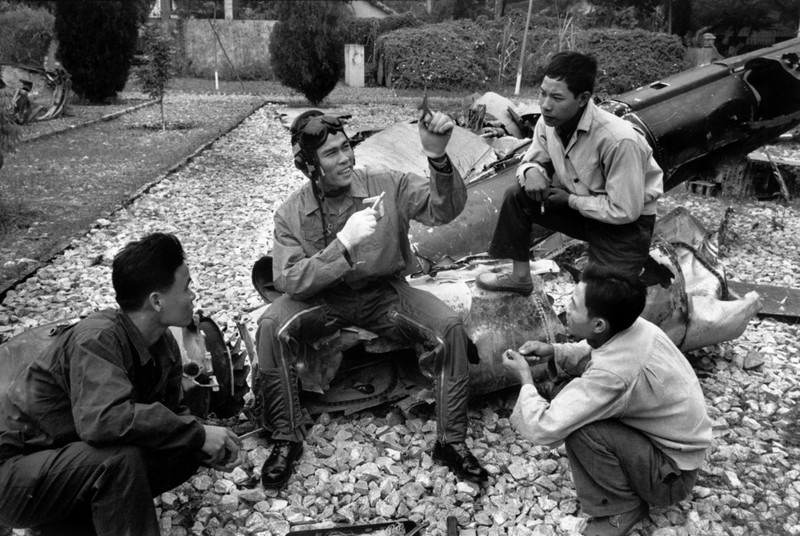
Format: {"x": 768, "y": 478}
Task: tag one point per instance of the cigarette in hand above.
{"x": 541, "y": 207}
{"x": 377, "y": 201}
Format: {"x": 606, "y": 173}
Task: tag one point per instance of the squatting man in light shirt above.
{"x": 340, "y": 255}
{"x": 633, "y": 419}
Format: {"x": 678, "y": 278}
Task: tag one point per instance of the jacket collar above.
{"x": 588, "y": 117}
{"x": 136, "y": 338}
{"x": 309, "y": 204}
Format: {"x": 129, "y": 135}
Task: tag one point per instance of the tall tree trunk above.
{"x": 499, "y": 7}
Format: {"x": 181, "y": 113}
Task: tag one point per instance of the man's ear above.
{"x": 154, "y": 300}
{"x": 600, "y": 325}
{"x": 583, "y": 98}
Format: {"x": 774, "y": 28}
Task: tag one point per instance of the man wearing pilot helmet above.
{"x": 340, "y": 256}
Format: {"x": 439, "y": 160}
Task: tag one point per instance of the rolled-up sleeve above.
{"x": 103, "y": 405}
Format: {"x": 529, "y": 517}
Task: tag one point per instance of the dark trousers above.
{"x": 392, "y": 309}
{"x": 83, "y": 490}
{"x": 615, "y": 468}
{"x": 626, "y": 245}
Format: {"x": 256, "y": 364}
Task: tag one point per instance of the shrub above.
{"x": 25, "y": 34}
{"x": 97, "y": 41}
{"x": 447, "y": 55}
{"x": 156, "y": 73}
{"x": 632, "y": 58}
{"x": 466, "y": 55}
{"x": 307, "y": 46}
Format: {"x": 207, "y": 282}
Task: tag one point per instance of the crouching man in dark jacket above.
{"x": 94, "y": 428}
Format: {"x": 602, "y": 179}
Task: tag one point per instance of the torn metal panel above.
{"x": 397, "y": 147}
{"x": 501, "y": 108}
{"x": 781, "y": 302}
{"x": 32, "y": 93}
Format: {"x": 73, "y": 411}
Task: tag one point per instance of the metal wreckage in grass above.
{"x": 33, "y": 94}
{"x": 700, "y": 123}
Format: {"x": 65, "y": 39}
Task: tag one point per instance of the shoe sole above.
{"x": 522, "y": 292}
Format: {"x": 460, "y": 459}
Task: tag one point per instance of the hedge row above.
{"x": 25, "y": 34}
{"x": 467, "y": 54}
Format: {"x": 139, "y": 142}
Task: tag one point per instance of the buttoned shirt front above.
{"x": 607, "y": 166}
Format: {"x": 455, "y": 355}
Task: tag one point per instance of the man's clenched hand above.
{"x": 435, "y": 130}
{"x": 534, "y": 182}
{"x": 358, "y": 227}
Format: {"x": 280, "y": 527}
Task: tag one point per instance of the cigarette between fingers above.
{"x": 377, "y": 201}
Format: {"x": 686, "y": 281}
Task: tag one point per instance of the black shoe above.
{"x": 458, "y": 458}
{"x": 280, "y": 464}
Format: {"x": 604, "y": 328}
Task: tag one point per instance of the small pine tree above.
{"x": 157, "y": 72}
{"x": 307, "y": 46}
{"x": 97, "y": 41}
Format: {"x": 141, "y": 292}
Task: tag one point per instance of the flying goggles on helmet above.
{"x": 308, "y": 133}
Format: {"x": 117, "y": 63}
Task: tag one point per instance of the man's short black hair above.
{"x": 577, "y": 70}
{"x": 144, "y": 266}
{"x": 614, "y": 294}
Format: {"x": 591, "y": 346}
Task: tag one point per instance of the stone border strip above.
{"x": 107, "y": 117}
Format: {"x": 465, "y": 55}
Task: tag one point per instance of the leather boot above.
{"x": 282, "y": 415}
{"x": 279, "y": 467}
{"x": 458, "y": 458}
{"x": 450, "y": 449}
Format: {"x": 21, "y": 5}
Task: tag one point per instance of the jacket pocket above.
{"x": 313, "y": 234}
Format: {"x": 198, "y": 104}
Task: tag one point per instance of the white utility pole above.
{"x": 522, "y": 51}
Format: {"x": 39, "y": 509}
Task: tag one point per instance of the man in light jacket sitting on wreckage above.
{"x": 340, "y": 253}
{"x": 634, "y": 419}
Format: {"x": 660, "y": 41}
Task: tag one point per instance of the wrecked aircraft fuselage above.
{"x": 33, "y": 94}
{"x": 699, "y": 117}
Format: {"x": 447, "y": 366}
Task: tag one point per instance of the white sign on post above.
{"x": 354, "y": 65}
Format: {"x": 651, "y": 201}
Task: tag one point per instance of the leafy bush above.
{"x": 632, "y": 58}
{"x": 97, "y": 41}
{"x": 448, "y": 55}
{"x": 307, "y": 46}
{"x": 25, "y": 34}
{"x": 466, "y": 55}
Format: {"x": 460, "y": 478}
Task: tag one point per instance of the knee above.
{"x": 513, "y": 193}
{"x": 127, "y": 458}
{"x": 266, "y": 343}
{"x": 590, "y": 435}
{"x": 453, "y": 326}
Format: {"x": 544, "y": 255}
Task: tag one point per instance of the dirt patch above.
{"x": 57, "y": 185}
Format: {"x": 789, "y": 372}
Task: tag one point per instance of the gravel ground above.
{"x": 374, "y": 467}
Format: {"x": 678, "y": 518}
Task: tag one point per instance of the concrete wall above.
{"x": 245, "y": 41}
